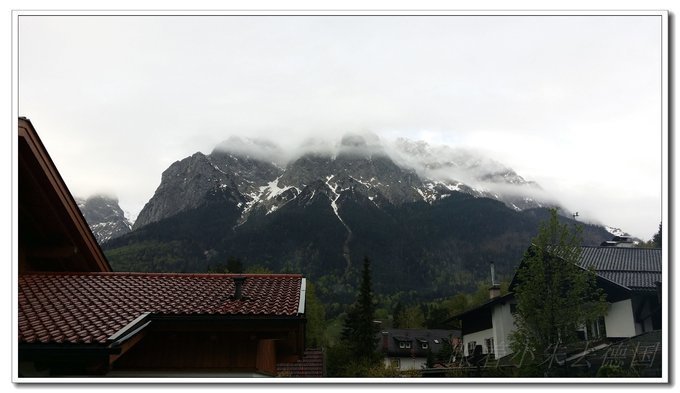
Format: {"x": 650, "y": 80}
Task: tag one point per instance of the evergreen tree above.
{"x": 554, "y": 295}
{"x": 316, "y": 318}
{"x": 359, "y": 332}
{"x": 397, "y": 314}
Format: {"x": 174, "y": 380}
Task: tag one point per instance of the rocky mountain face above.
{"x": 186, "y": 183}
{"x": 104, "y": 216}
{"x": 413, "y": 172}
{"x": 430, "y": 218}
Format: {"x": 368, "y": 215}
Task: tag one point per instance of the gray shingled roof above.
{"x": 435, "y": 339}
{"x": 633, "y": 268}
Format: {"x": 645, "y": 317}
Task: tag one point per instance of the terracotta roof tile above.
{"x": 310, "y": 366}
{"x": 90, "y": 307}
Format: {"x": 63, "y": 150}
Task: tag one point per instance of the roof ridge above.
{"x": 625, "y": 248}
{"x": 627, "y": 271}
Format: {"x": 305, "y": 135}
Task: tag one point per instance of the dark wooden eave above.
{"x": 53, "y": 234}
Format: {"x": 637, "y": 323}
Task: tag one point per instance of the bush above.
{"x": 615, "y": 372}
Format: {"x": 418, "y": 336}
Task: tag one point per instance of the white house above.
{"x": 486, "y": 328}
{"x": 407, "y": 349}
{"x": 631, "y": 278}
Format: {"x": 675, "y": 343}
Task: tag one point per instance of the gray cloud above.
{"x": 257, "y": 148}
{"x": 571, "y": 102}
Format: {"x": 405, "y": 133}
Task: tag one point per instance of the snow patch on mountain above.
{"x": 246, "y": 172}
{"x": 615, "y": 231}
{"x": 272, "y": 189}
{"x": 334, "y": 200}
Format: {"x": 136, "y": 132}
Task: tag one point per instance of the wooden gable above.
{"x": 53, "y": 234}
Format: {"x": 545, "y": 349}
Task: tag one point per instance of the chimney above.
{"x": 238, "y": 287}
{"x": 494, "y": 289}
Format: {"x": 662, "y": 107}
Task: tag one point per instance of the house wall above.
{"x": 503, "y": 326}
{"x": 407, "y": 363}
{"x": 192, "y": 350}
{"x": 478, "y": 337}
{"x": 619, "y": 320}
{"x": 223, "y": 346}
{"x": 643, "y": 320}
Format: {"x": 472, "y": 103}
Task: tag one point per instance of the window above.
{"x": 404, "y": 345}
{"x": 489, "y": 345}
{"x": 424, "y": 345}
{"x": 597, "y": 330}
{"x": 471, "y": 347}
{"x": 395, "y": 362}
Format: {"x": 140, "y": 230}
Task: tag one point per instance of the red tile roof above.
{"x": 310, "y": 366}
{"x": 90, "y": 307}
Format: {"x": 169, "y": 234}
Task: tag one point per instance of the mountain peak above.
{"x": 104, "y": 216}
{"x": 364, "y": 144}
{"x": 255, "y": 148}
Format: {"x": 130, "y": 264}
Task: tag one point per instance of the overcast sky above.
{"x": 573, "y": 103}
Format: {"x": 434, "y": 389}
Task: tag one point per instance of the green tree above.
{"x": 411, "y": 318}
{"x": 359, "y": 332}
{"x": 554, "y": 295}
{"x": 397, "y": 314}
{"x": 654, "y": 242}
{"x": 657, "y": 238}
{"x": 647, "y": 244}
{"x": 438, "y": 317}
{"x": 457, "y": 304}
{"x": 316, "y": 318}
{"x": 259, "y": 269}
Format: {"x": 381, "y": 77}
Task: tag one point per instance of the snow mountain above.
{"x": 104, "y": 216}
{"x": 413, "y": 171}
{"x": 430, "y": 218}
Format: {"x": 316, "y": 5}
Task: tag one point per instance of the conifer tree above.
{"x": 359, "y": 332}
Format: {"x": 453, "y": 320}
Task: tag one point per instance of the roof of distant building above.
{"x": 632, "y": 268}
{"x": 91, "y": 307}
{"x": 421, "y": 341}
